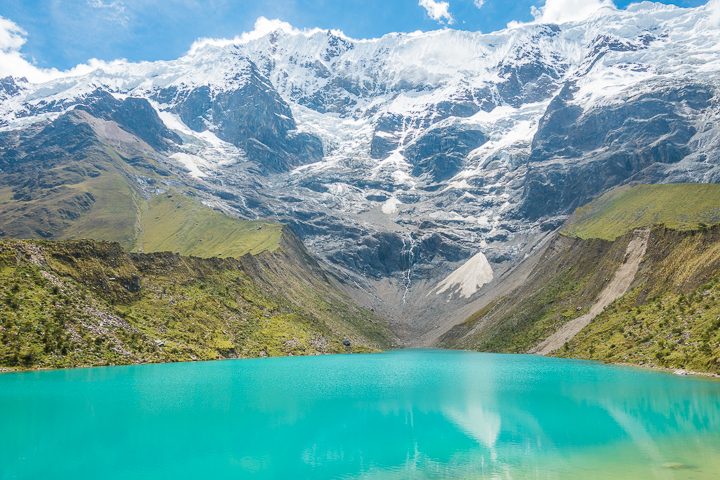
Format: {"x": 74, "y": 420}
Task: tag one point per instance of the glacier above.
{"x": 474, "y": 146}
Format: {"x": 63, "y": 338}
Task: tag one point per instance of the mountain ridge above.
{"x": 644, "y": 296}
{"x": 398, "y": 162}
{"x": 77, "y": 303}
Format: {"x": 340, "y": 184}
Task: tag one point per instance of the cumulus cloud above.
{"x": 479, "y": 3}
{"x": 263, "y": 26}
{"x": 12, "y": 61}
{"x": 12, "y": 37}
{"x": 438, "y": 11}
{"x": 562, "y": 11}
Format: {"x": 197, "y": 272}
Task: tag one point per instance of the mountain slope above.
{"x": 81, "y": 303}
{"x": 398, "y": 159}
{"x": 562, "y": 286}
{"x": 615, "y": 288}
{"x": 93, "y": 179}
{"x": 78, "y": 176}
{"x": 661, "y": 313}
{"x": 670, "y": 318}
{"x": 218, "y": 286}
{"x": 680, "y": 207}
{"x": 177, "y": 223}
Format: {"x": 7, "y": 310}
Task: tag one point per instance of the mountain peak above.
{"x": 266, "y": 30}
{"x": 481, "y": 142}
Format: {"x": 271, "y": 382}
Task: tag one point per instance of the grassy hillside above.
{"x": 75, "y": 303}
{"x": 176, "y": 223}
{"x": 224, "y": 287}
{"x": 668, "y": 318}
{"x": 113, "y": 214}
{"x": 677, "y": 206}
{"x": 74, "y": 182}
{"x": 115, "y": 211}
{"x": 106, "y": 205}
{"x": 61, "y": 181}
{"x": 563, "y": 286}
{"x": 671, "y": 318}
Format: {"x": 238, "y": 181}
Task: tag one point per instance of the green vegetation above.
{"x": 106, "y": 207}
{"x": 113, "y": 215}
{"x": 108, "y": 193}
{"x": 223, "y": 287}
{"x": 677, "y": 206}
{"x": 170, "y": 221}
{"x": 672, "y": 317}
{"x": 176, "y": 223}
{"x": 671, "y": 331}
{"x": 85, "y": 190}
{"x": 562, "y": 287}
{"x": 76, "y": 303}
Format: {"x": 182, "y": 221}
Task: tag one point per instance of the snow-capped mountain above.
{"x": 420, "y": 165}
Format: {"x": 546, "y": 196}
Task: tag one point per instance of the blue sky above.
{"x": 63, "y": 33}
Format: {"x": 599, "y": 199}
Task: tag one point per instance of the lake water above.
{"x": 416, "y": 414}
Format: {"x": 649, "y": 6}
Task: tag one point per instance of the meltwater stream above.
{"x": 415, "y": 414}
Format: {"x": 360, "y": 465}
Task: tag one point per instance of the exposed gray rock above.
{"x": 252, "y": 116}
{"x": 132, "y": 114}
{"x": 441, "y": 152}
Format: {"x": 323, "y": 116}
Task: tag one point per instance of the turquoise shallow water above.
{"x": 408, "y": 414}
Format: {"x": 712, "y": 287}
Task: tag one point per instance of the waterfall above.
{"x": 408, "y": 256}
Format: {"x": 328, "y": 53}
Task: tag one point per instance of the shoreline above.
{"x": 5, "y": 370}
{"x": 679, "y": 372}
{"x": 667, "y": 370}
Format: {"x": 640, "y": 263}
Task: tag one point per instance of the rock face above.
{"x": 250, "y": 115}
{"x": 9, "y": 87}
{"x": 441, "y": 152}
{"x": 399, "y": 158}
{"x": 134, "y": 115}
{"x": 644, "y": 134}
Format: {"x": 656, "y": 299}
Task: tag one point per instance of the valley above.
{"x": 360, "y": 240}
{"x": 519, "y": 195}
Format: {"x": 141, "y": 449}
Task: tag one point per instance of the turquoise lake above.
{"x": 414, "y": 414}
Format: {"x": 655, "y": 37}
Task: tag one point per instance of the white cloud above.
{"x": 479, "y": 3}
{"x": 115, "y": 9}
{"x": 12, "y": 61}
{"x": 561, "y": 11}
{"x": 438, "y": 11}
{"x": 263, "y": 26}
{"x": 12, "y": 37}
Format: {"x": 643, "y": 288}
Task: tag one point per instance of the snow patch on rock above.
{"x": 468, "y": 279}
{"x": 390, "y": 206}
{"x": 191, "y": 163}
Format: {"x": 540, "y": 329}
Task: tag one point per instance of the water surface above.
{"x": 417, "y": 414}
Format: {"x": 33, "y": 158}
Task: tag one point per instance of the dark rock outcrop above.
{"x": 252, "y": 116}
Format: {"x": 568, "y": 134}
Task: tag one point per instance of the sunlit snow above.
{"x": 390, "y": 206}
{"x": 468, "y": 279}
